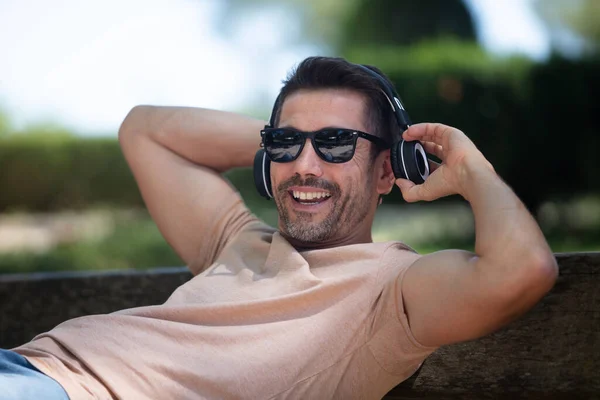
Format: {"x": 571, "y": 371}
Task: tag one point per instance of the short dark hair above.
{"x": 338, "y": 73}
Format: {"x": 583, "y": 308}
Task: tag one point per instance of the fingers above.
{"x": 434, "y": 149}
{"x": 405, "y": 187}
{"x": 430, "y": 132}
{"x": 412, "y": 192}
{"x": 434, "y": 187}
{"x": 448, "y": 144}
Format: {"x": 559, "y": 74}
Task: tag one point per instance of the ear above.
{"x": 385, "y": 174}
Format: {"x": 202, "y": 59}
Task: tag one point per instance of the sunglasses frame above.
{"x": 379, "y": 142}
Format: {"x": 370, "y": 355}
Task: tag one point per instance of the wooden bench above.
{"x": 553, "y": 352}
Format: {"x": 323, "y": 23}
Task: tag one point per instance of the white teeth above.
{"x": 309, "y": 195}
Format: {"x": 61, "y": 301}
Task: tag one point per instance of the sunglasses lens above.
{"x": 335, "y": 145}
{"x": 283, "y": 145}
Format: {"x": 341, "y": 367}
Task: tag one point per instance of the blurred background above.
{"x": 520, "y": 77}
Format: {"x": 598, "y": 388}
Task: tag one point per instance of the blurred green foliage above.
{"x": 340, "y": 24}
{"x": 4, "y": 125}
{"x": 135, "y": 243}
{"x": 53, "y": 171}
{"x": 405, "y": 22}
{"x": 56, "y": 170}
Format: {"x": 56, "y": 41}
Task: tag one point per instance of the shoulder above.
{"x": 242, "y": 232}
{"x": 396, "y": 258}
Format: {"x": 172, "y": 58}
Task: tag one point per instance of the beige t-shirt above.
{"x": 259, "y": 320}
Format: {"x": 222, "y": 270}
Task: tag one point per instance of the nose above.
{"x": 308, "y": 162}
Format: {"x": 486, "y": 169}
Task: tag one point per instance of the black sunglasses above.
{"x": 334, "y": 145}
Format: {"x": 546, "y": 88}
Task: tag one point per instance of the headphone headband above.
{"x": 390, "y": 93}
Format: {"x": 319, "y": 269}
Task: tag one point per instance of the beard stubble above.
{"x": 348, "y": 210}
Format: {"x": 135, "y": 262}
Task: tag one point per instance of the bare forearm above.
{"x": 215, "y": 139}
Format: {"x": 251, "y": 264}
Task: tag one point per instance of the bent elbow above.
{"x": 539, "y": 273}
{"x": 531, "y": 279}
{"x": 543, "y": 271}
{"x": 134, "y": 120}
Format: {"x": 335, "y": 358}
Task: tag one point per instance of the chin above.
{"x": 307, "y": 233}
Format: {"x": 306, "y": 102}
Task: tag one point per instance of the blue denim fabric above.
{"x": 19, "y": 380}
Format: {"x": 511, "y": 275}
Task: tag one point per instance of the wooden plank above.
{"x": 32, "y": 304}
{"x": 551, "y": 352}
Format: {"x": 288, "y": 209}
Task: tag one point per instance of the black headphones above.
{"x": 408, "y": 159}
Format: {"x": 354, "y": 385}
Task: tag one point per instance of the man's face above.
{"x": 320, "y": 201}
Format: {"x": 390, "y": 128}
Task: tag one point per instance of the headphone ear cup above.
{"x": 262, "y": 174}
{"x": 409, "y": 161}
{"x": 396, "y": 161}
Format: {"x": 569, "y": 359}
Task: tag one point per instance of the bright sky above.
{"x": 85, "y": 64}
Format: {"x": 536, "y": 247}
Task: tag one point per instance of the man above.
{"x": 313, "y": 309}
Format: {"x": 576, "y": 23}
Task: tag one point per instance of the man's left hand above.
{"x": 455, "y": 150}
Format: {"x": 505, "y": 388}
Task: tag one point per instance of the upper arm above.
{"x": 449, "y": 296}
{"x": 195, "y": 209}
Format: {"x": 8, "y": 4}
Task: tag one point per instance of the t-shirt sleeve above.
{"x": 225, "y": 216}
{"x": 390, "y": 339}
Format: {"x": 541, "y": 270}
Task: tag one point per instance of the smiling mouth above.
{"x": 309, "y": 198}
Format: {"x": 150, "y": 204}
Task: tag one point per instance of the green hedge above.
{"x": 57, "y": 172}
{"x": 46, "y": 174}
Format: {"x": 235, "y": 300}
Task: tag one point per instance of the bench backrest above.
{"x": 552, "y": 352}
